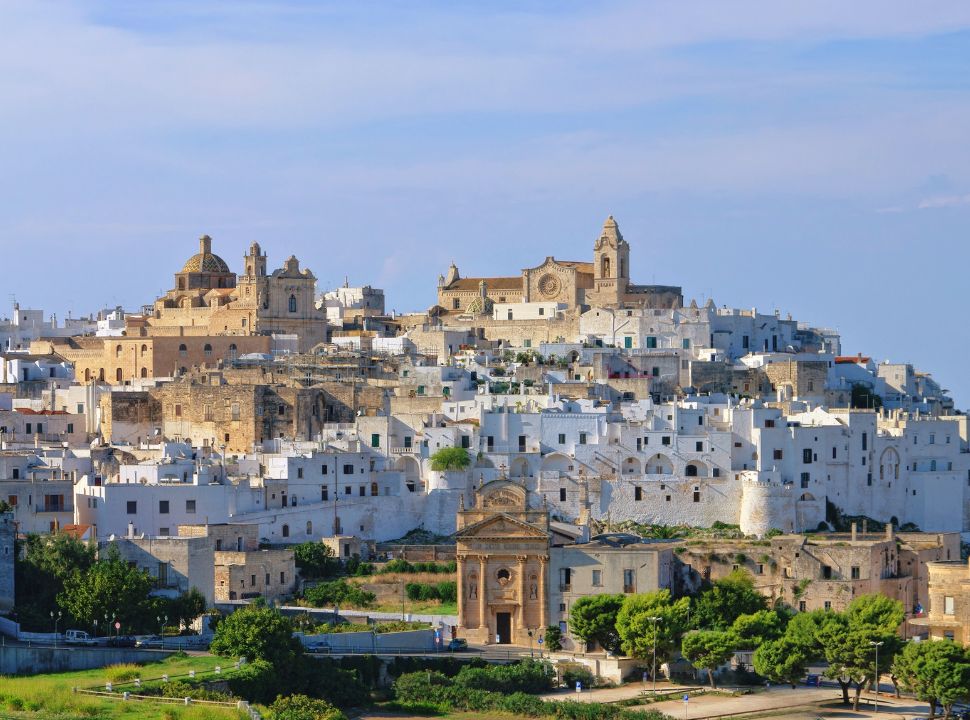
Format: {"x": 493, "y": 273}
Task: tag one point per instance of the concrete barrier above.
{"x": 369, "y": 642}
{"x": 18, "y": 660}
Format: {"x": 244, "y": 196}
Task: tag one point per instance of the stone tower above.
{"x": 611, "y": 265}
{"x": 255, "y": 261}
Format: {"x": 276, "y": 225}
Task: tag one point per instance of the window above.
{"x": 582, "y": 438}
{"x": 207, "y": 350}
{"x": 456, "y": 304}
{"x": 324, "y": 495}
{"x": 665, "y": 440}
{"x": 745, "y": 342}
{"x": 190, "y": 507}
{"x": 638, "y": 493}
{"x": 132, "y": 507}
{"x": 299, "y": 473}
{"x": 562, "y": 494}
{"x": 70, "y": 428}
{"x": 178, "y": 410}
{"x": 562, "y": 438}
{"x": 12, "y": 500}
{"x": 827, "y": 572}
{"x": 348, "y": 469}
{"x": 932, "y": 439}
{"x": 948, "y": 605}
{"x": 163, "y": 507}
{"x": 466, "y": 442}
{"x": 490, "y": 443}
{"x": 286, "y": 532}
{"x": 686, "y": 344}
{"x": 16, "y": 473}
{"x": 629, "y": 584}
{"x": 651, "y": 342}
{"x": 163, "y": 532}
{"x": 252, "y": 581}
{"x": 865, "y": 441}
{"x": 420, "y": 389}
{"x": 597, "y": 578}
{"x": 282, "y": 578}
{"x": 347, "y": 490}
{"x": 697, "y": 496}
{"x": 834, "y": 453}
{"x": 28, "y": 428}
{"x": 292, "y": 304}
{"x": 828, "y": 604}
{"x": 183, "y": 350}
{"x": 802, "y": 606}
{"x": 323, "y": 469}
{"x": 408, "y": 441}
{"x": 234, "y": 411}
{"x": 542, "y": 311}
{"x": 854, "y": 572}
{"x": 806, "y": 477}
{"x": 778, "y": 454}
{"x": 362, "y": 491}
{"x": 760, "y": 569}
{"x": 807, "y": 456}
{"x": 699, "y": 446}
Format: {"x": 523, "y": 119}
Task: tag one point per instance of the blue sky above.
{"x": 809, "y": 156}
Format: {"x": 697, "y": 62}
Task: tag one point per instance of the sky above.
{"x": 812, "y": 157}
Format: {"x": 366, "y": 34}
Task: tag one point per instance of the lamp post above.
{"x": 56, "y": 620}
{"x": 875, "y": 703}
{"x": 95, "y": 627}
{"x": 654, "y": 620}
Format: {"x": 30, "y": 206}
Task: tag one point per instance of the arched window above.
{"x": 207, "y": 350}
{"x": 87, "y": 374}
{"x": 373, "y": 489}
{"x": 233, "y": 351}
{"x": 605, "y": 267}
{"x": 286, "y": 531}
{"x": 144, "y": 372}
{"x": 293, "y": 303}
{"x": 691, "y": 471}
{"x": 181, "y": 283}
{"x": 118, "y": 374}
{"x": 101, "y": 374}
{"x": 932, "y": 465}
{"x": 144, "y": 350}
{"x": 309, "y": 528}
{"x": 118, "y": 351}
{"x": 183, "y": 350}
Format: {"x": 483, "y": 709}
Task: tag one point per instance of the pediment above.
{"x": 501, "y": 526}
{"x": 552, "y": 265}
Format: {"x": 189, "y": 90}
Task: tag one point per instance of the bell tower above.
{"x": 255, "y": 261}
{"x": 611, "y": 264}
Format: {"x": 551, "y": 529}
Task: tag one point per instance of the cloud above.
{"x": 944, "y": 201}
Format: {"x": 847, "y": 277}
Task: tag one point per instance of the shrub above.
{"x": 453, "y": 458}
{"x": 553, "y": 638}
{"x": 301, "y": 707}
{"x": 122, "y": 672}
{"x": 575, "y": 672}
{"x": 531, "y": 676}
{"x": 256, "y": 681}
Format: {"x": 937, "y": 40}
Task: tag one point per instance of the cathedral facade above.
{"x": 209, "y": 299}
{"x": 604, "y": 282}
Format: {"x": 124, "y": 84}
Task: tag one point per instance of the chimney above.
{"x": 205, "y": 244}
{"x": 889, "y": 530}
{"x": 854, "y": 533}
{"x": 131, "y": 530}
{"x": 865, "y": 526}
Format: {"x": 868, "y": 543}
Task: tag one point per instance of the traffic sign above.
{"x": 540, "y": 639}
{"x": 117, "y": 626}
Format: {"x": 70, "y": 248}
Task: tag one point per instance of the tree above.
{"x": 636, "y": 629}
{"x": 847, "y": 639}
{"x": 254, "y": 632}
{"x": 752, "y": 630}
{"x": 718, "y": 607}
{"x": 338, "y": 593}
{"x": 594, "y": 618}
{"x": 935, "y": 671}
{"x": 553, "y": 638}
{"x": 184, "y": 609}
{"x": 782, "y": 661}
{"x": 301, "y": 707}
{"x": 708, "y": 650}
{"x": 864, "y": 397}
{"x": 450, "y": 459}
{"x": 315, "y": 560}
{"x": 42, "y": 564}
{"x": 802, "y": 630}
{"x": 110, "y": 587}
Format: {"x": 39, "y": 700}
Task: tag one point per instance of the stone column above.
{"x": 462, "y": 604}
{"x": 523, "y": 592}
{"x": 482, "y": 620}
{"x": 543, "y": 599}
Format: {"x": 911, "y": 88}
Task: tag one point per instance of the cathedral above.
{"x": 605, "y": 282}
{"x": 209, "y": 299}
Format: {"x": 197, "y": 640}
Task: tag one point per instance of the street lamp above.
{"x": 56, "y": 620}
{"x": 875, "y": 703}
{"x": 654, "y": 620}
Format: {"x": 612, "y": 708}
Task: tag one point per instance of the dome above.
{"x": 205, "y": 260}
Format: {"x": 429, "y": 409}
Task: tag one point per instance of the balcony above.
{"x": 404, "y": 450}
{"x": 629, "y": 589}
{"x": 565, "y": 587}
{"x": 67, "y": 507}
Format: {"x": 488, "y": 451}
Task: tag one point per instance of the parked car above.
{"x": 150, "y": 641}
{"x": 121, "y": 641}
{"x": 319, "y": 647}
{"x": 78, "y": 637}
{"x": 457, "y": 645}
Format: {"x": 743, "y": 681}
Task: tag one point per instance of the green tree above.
{"x": 636, "y": 629}
{"x": 110, "y": 586}
{"x": 718, "y": 607}
{"x": 42, "y": 564}
{"x": 450, "y": 459}
{"x": 935, "y": 671}
{"x": 301, "y": 707}
{"x": 848, "y": 641}
{"x": 315, "y": 560}
{"x": 864, "y": 397}
{"x": 184, "y": 609}
{"x": 708, "y": 650}
{"x": 752, "y": 630}
{"x": 338, "y": 593}
{"x": 782, "y": 661}
{"x": 256, "y": 631}
{"x": 802, "y": 630}
{"x": 553, "y": 638}
{"x": 594, "y": 618}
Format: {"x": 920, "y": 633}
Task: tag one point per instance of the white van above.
{"x": 78, "y": 637}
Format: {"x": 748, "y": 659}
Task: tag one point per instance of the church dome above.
{"x": 205, "y": 260}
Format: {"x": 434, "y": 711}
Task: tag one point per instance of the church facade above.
{"x": 209, "y": 299}
{"x": 604, "y": 282}
{"x": 503, "y": 558}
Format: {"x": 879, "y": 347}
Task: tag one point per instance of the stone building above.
{"x": 177, "y": 564}
{"x": 503, "y": 557}
{"x": 208, "y": 295}
{"x": 566, "y": 283}
{"x": 948, "y": 613}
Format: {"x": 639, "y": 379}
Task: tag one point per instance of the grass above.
{"x": 50, "y": 696}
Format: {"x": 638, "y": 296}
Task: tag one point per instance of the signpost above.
{"x": 686, "y": 700}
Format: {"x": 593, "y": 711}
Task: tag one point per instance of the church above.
{"x": 209, "y": 299}
{"x": 604, "y": 282}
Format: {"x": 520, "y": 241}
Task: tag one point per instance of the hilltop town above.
{"x": 558, "y": 436}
